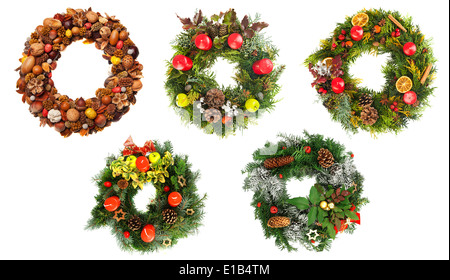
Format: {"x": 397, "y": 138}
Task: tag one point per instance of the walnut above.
{"x": 54, "y": 116}
{"x": 37, "y": 49}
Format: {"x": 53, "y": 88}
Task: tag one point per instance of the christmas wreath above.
{"x": 408, "y": 72}
{"x": 43, "y": 49}
{"x": 333, "y": 204}
{"x": 174, "y": 213}
{"x": 192, "y": 88}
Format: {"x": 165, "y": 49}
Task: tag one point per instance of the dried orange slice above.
{"x": 404, "y": 84}
{"x": 360, "y": 19}
{"x": 328, "y": 61}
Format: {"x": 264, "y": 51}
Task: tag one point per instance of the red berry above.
{"x": 108, "y": 184}
{"x": 393, "y": 34}
{"x": 284, "y": 148}
{"x": 50, "y": 75}
{"x": 88, "y": 25}
{"x": 307, "y": 149}
{"x": 281, "y": 176}
{"x": 166, "y": 188}
{"x": 273, "y": 210}
{"x": 44, "y": 113}
{"x": 320, "y": 90}
{"x": 259, "y": 204}
{"x": 312, "y": 241}
{"x": 117, "y": 89}
{"x": 334, "y": 45}
{"x": 396, "y": 109}
{"x": 352, "y": 155}
{"x": 397, "y": 30}
{"x": 324, "y": 91}
{"x": 119, "y": 45}
{"x": 341, "y": 37}
{"x": 392, "y": 107}
{"x": 395, "y": 103}
{"x": 48, "y": 48}
{"x": 126, "y": 234}
{"x": 343, "y": 32}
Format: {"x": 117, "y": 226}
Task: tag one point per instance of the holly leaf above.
{"x": 244, "y": 22}
{"x": 249, "y": 33}
{"x": 314, "y": 196}
{"x": 312, "y": 216}
{"x": 301, "y": 203}
{"x": 198, "y": 18}
{"x": 258, "y": 26}
{"x": 321, "y": 215}
{"x": 352, "y": 215}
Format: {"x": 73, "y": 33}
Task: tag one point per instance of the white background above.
{"x": 46, "y": 189}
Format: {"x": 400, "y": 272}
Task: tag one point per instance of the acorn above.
{"x": 60, "y": 126}
{"x": 123, "y": 35}
{"x": 100, "y": 120}
{"x": 65, "y": 106}
{"x": 106, "y": 100}
{"x": 36, "y": 107}
{"x": 80, "y": 104}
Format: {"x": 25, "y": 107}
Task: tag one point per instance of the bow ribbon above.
{"x": 345, "y": 223}
{"x": 131, "y": 148}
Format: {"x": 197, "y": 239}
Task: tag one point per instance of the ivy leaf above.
{"x": 314, "y": 196}
{"x": 187, "y": 23}
{"x": 258, "y": 26}
{"x": 249, "y": 33}
{"x": 244, "y": 22}
{"x": 300, "y": 202}
{"x": 312, "y": 216}
{"x": 352, "y": 215}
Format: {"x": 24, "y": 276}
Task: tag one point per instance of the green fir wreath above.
{"x": 333, "y": 204}
{"x": 175, "y": 212}
{"x": 192, "y": 88}
{"x": 409, "y": 72}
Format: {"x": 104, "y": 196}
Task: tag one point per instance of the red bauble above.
{"x": 410, "y": 97}
{"x": 235, "y": 41}
{"x": 203, "y": 42}
{"x": 263, "y": 66}
{"x": 126, "y": 234}
{"x": 111, "y": 204}
{"x": 107, "y": 184}
{"x": 166, "y": 188}
{"x": 142, "y": 164}
{"x": 338, "y": 85}
{"x": 273, "y": 210}
{"x": 307, "y": 149}
{"x": 148, "y": 233}
{"x": 356, "y": 33}
{"x": 174, "y": 199}
{"x": 409, "y": 48}
{"x": 182, "y": 62}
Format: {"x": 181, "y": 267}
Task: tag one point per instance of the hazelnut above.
{"x": 105, "y": 32}
{"x": 92, "y": 17}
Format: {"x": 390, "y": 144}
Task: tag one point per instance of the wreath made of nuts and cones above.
{"x": 42, "y": 51}
{"x": 175, "y": 212}
{"x": 409, "y": 72}
{"x": 192, "y": 88}
{"x": 332, "y": 205}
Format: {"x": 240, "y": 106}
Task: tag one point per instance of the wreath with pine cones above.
{"x": 409, "y": 72}
{"x": 192, "y": 88}
{"x": 333, "y": 204}
{"x": 175, "y": 212}
{"x": 41, "y": 53}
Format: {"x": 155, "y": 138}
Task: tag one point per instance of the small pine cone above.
{"x": 119, "y": 53}
{"x": 34, "y": 35}
{"x": 122, "y": 184}
{"x": 48, "y": 104}
{"x": 325, "y": 158}
{"x": 111, "y": 50}
{"x": 45, "y": 30}
{"x": 272, "y": 163}
{"x": 66, "y": 41}
{"x": 369, "y": 116}
{"x": 99, "y": 129}
{"x": 96, "y": 27}
{"x": 122, "y": 74}
{"x": 134, "y": 223}
{"x": 28, "y": 77}
{"x": 126, "y": 82}
{"x": 88, "y": 34}
{"x": 214, "y": 98}
{"x": 63, "y": 98}
{"x": 212, "y": 31}
{"x": 82, "y": 31}
{"x": 279, "y": 222}
{"x": 75, "y": 126}
{"x": 128, "y": 42}
{"x": 169, "y": 216}
{"x": 111, "y": 109}
{"x": 223, "y": 30}
{"x": 365, "y": 100}
{"x": 83, "y": 117}
{"x": 56, "y": 47}
{"x": 41, "y": 59}
{"x": 61, "y": 32}
{"x": 109, "y": 116}
{"x": 90, "y": 122}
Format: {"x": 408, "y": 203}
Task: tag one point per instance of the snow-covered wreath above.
{"x": 333, "y": 203}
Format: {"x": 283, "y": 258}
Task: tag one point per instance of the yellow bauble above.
{"x": 132, "y": 160}
{"x": 331, "y": 205}
{"x": 115, "y": 60}
{"x": 154, "y": 157}
{"x": 182, "y": 100}
{"x": 90, "y": 113}
{"x": 323, "y": 205}
{"x": 252, "y": 105}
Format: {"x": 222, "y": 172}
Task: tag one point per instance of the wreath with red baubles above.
{"x": 175, "y": 212}
{"x": 192, "y": 87}
{"x": 409, "y": 72}
{"x": 43, "y": 49}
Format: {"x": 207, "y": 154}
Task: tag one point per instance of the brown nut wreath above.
{"x": 42, "y": 51}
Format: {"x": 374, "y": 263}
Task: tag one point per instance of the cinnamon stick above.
{"x": 425, "y": 75}
{"x": 397, "y": 23}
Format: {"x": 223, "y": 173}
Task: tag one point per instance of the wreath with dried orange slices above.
{"x": 409, "y": 72}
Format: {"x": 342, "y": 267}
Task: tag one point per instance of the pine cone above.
{"x": 125, "y": 82}
{"x": 325, "y": 158}
{"x": 212, "y": 31}
{"x": 122, "y": 184}
{"x": 223, "y": 30}
{"x": 169, "y": 216}
{"x": 365, "y": 100}
{"x": 134, "y": 223}
{"x": 48, "y": 104}
{"x": 272, "y": 163}
{"x": 369, "y": 116}
{"x": 279, "y": 222}
{"x": 214, "y": 98}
